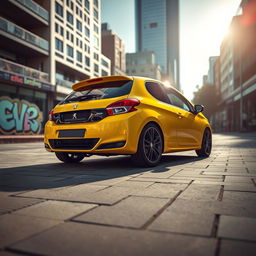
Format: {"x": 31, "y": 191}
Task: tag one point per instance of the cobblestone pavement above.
{"x": 105, "y": 206}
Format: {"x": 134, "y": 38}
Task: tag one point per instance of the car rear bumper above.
{"x": 112, "y": 135}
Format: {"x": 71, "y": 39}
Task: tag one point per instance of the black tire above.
{"x": 206, "y": 147}
{"x": 70, "y": 157}
{"x": 150, "y": 147}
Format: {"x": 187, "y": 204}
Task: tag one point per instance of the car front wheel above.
{"x": 150, "y": 147}
{"x": 206, "y": 147}
{"x": 70, "y": 157}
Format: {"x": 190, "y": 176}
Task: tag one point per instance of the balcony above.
{"x": 35, "y": 8}
{"x": 17, "y": 69}
{"x": 21, "y": 36}
{"x": 64, "y": 83}
{"x": 27, "y": 13}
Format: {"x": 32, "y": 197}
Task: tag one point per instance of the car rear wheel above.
{"x": 70, "y": 157}
{"x": 150, "y": 147}
{"x": 206, "y": 147}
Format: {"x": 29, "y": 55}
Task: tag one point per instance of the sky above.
{"x": 203, "y": 25}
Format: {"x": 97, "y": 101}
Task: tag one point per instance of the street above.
{"x": 106, "y": 206}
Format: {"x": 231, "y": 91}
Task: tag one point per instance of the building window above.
{"x": 87, "y": 61}
{"x": 87, "y": 4}
{"x": 69, "y": 17}
{"x": 96, "y": 68}
{"x": 70, "y": 4}
{"x": 58, "y": 9}
{"x": 96, "y": 41}
{"x": 104, "y": 73}
{"x": 96, "y": 3}
{"x": 96, "y": 29}
{"x": 78, "y": 56}
{"x": 70, "y": 51}
{"x": 96, "y": 56}
{"x": 58, "y": 45}
{"x": 61, "y": 30}
{"x": 86, "y": 31}
{"x": 104, "y": 63}
{"x": 153, "y": 25}
{"x": 79, "y": 25}
{"x": 56, "y": 28}
{"x": 95, "y": 14}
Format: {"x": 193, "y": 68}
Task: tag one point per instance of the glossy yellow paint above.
{"x": 181, "y": 130}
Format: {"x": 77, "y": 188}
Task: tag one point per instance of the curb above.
{"x": 6, "y": 139}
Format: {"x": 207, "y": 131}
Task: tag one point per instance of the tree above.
{"x": 208, "y": 97}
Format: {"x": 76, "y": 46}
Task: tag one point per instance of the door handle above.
{"x": 180, "y": 115}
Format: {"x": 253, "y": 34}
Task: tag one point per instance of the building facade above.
{"x": 45, "y": 46}
{"x": 237, "y": 73}
{"x": 157, "y": 30}
{"x": 142, "y": 64}
{"x": 113, "y": 47}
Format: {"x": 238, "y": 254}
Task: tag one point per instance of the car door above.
{"x": 167, "y": 117}
{"x": 188, "y": 125}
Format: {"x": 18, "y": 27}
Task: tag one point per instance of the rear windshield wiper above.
{"x": 84, "y": 97}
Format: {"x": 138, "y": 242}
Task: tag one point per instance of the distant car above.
{"x": 121, "y": 115}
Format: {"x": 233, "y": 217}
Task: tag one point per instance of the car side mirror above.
{"x": 198, "y": 109}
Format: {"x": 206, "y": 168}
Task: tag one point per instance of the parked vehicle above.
{"x": 124, "y": 115}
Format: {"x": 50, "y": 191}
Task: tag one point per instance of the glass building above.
{"x": 157, "y": 29}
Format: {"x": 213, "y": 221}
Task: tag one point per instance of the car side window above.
{"x": 178, "y": 101}
{"x": 157, "y": 91}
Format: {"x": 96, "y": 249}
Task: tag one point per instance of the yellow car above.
{"x": 122, "y": 115}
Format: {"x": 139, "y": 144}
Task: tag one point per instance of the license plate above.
{"x": 76, "y": 133}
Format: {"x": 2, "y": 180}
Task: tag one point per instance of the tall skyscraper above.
{"x": 157, "y": 29}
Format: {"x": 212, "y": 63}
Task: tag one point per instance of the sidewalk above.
{"x": 4, "y": 139}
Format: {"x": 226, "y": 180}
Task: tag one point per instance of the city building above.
{"x": 237, "y": 66}
{"x": 113, "y": 47}
{"x": 205, "y": 79}
{"x": 210, "y": 76}
{"x": 157, "y": 30}
{"x": 45, "y": 46}
{"x": 142, "y": 64}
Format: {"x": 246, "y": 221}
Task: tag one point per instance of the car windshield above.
{"x": 100, "y": 91}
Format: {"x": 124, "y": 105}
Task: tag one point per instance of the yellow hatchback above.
{"x": 122, "y": 115}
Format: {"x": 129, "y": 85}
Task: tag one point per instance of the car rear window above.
{"x": 100, "y": 91}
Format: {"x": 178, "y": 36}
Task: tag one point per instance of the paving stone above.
{"x": 17, "y": 227}
{"x": 161, "y": 190}
{"x": 185, "y": 216}
{"x": 201, "y": 192}
{"x": 237, "y": 228}
{"x": 55, "y": 210}
{"x": 239, "y": 196}
{"x": 240, "y": 187}
{"x": 130, "y": 212}
{"x": 238, "y": 179}
{"x": 77, "y": 193}
{"x": 170, "y": 180}
{"x": 237, "y": 248}
{"x": 98, "y": 240}
{"x": 134, "y": 184}
{"x": 8, "y": 203}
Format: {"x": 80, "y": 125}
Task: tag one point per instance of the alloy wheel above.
{"x": 152, "y": 144}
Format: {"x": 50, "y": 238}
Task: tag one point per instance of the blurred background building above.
{"x": 142, "y": 64}
{"x": 45, "y": 46}
{"x": 113, "y": 47}
{"x": 157, "y": 30}
{"x": 233, "y": 74}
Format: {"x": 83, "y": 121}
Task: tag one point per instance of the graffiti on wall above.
{"x": 19, "y": 117}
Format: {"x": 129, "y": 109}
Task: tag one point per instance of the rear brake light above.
{"x": 51, "y": 115}
{"x": 122, "y": 106}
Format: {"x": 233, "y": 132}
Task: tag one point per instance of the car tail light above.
{"x": 51, "y": 115}
{"x": 122, "y": 106}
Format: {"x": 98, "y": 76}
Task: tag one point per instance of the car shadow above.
{"x": 57, "y": 175}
